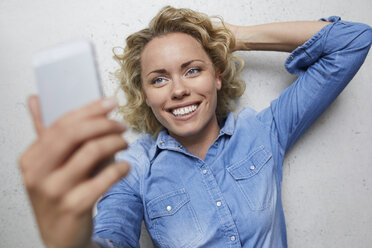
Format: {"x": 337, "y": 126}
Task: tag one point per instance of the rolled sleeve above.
{"x": 119, "y": 217}
{"x": 325, "y": 63}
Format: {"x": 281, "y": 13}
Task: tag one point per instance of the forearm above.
{"x": 283, "y": 36}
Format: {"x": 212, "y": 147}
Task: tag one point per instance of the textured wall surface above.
{"x": 327, "y": 185}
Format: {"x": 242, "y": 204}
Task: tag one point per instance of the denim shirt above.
{"x": 232, "y": 198}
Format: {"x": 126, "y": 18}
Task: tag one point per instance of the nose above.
{"x": 179, "y": 89}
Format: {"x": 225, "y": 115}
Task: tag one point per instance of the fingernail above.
{"x": 109, "y": 103}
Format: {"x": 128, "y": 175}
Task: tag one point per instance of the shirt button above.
{"x": 204, "y": 172}
{"x": 161, "y": 143}
{"x": 216, "y": 143}
{"x": 169, "y": 208}
{"x": 232, "y": 238}
{"x": 252, "y": 167}
{"x": 291, "y": 57}
{"x": 180, "y": 146}
{"x": 219, "y": 204}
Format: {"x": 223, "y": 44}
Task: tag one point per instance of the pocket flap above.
{"x": 251, "y": 165}
{"x": 167, "y": 204}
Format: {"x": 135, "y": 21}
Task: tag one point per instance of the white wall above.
{"x": 327, "y": 188}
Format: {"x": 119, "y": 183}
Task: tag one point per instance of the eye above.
{"x": 158, "y": 80}
{"x": 193, "y": 71}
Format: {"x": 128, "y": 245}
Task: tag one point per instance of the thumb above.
{"x": 34, "y": 108}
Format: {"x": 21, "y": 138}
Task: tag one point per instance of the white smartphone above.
{"x": 67, "y": 78}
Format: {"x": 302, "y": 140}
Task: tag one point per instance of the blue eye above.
{"x": 158, "y": 80}
{"x": 193, "y": 71}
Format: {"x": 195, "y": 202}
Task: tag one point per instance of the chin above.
{"x": 183, "y": 133}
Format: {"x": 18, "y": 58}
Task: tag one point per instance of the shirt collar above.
{"x": 165, "y": 141}
{"x": 228, "y": 125}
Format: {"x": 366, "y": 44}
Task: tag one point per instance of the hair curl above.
{"x": 218, "y": 42}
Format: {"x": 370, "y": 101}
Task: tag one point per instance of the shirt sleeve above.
{"x": 120, "y": 211}
{"x": 325, "y": 63}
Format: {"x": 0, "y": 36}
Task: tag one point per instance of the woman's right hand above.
{"x": 67, "y": 169}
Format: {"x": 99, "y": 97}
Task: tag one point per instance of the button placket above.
{"x": 226, "y": 220}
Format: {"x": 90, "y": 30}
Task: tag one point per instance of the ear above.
{"x": 218, "y": 80}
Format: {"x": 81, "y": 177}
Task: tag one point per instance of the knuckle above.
{"x": 50, "y": 192}
{"x": 67, "y": 135}
{"x": 73, "y": 205}
{"x": 93, "y": 148}
{"x": 109, "y": 126}
{"x": 113, "y": 174}
{"x": 70, "y": 135}
{"x": 120, "y": 141}
{"x": 69, "y": 205}
{"x": 116, "y": 125}
{"x": 30, "y": 182}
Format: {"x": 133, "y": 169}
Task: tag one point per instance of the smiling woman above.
{"x": 214, "y": 42}
{"x": 200, "y": 177}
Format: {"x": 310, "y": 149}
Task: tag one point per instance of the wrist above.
{"x": 243, "y": 37}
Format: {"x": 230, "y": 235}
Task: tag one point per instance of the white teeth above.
{"x": 185, "y": 110}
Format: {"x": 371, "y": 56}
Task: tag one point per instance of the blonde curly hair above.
{"x": 218, "y": 42}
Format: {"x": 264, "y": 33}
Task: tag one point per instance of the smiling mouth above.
{"x": 184, "y": 110}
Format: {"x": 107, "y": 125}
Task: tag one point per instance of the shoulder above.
{"x": 138, "y": 155}
{"x": 246, "y": 113}
{"x": 139, "y": 150}
{"x": 248, "y": 116}
{"x": 254, "y": 123}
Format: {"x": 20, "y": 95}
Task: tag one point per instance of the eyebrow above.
{"x": 161, "y": 71}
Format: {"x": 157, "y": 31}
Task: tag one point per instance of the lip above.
{"x": 187, "y": 116}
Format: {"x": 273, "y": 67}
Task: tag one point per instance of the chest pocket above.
{"x": 173, "y": 220}
{"x": 255, "y": 177}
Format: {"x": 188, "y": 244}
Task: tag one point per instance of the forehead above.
{"x": 171, "y": 49}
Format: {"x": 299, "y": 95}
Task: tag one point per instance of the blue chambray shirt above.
{"x": 232, "y": 198}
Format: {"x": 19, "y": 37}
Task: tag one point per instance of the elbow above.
{"x": 364, "y": 38}
{"x": 369, "y": 34}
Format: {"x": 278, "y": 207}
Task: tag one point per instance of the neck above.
{"x": 199, "y": 143}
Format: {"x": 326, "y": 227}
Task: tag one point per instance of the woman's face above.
{"x": 180, "y": 84}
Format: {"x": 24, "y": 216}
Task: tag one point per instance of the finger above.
{"x": 61, "y": 142}
{"x": 57, "y": 142}
{"x": 34, "y": 107}
{"x": 84, "y": 163}
{"x": 83, "y": 197}
{"x": 97, "y": 108}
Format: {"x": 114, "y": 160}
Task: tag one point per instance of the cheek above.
{"x": 210, "y": 88}
{"x": 154, "y": 98}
